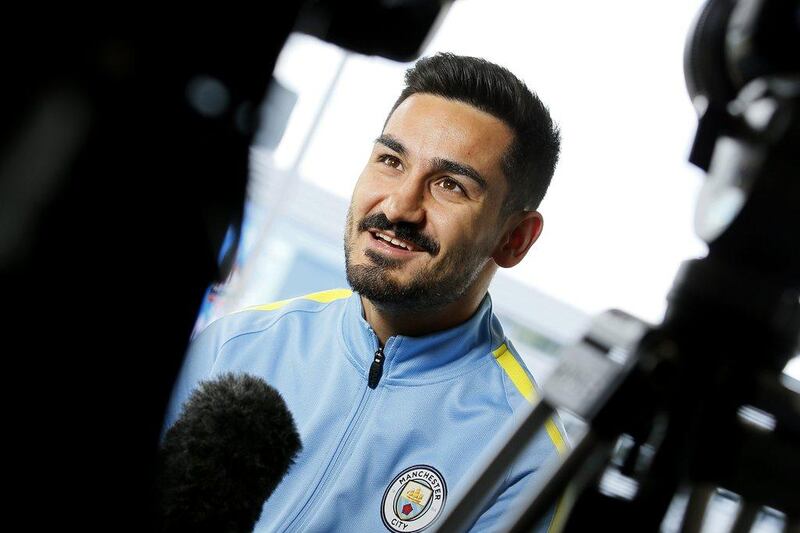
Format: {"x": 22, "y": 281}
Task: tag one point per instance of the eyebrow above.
{"x": 438, "y": 164}
{"x": 390, "y": 142}
{"x": 445, "y": 165}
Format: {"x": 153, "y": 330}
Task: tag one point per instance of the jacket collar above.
{"x": 435, "y": 357}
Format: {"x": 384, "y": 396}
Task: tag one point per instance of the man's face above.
{"x": 423, "y": 221}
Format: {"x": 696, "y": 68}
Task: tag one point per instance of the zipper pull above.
{"x": 376, "y": 369}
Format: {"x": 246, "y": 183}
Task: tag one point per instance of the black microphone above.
{"x": 232, "y": 444}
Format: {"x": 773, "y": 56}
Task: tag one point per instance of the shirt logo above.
{"x": 414, "y": 499}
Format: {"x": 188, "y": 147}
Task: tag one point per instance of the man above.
{"x": 396, "y": 388}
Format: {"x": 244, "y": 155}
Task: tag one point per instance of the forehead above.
{"x": 431, "y": 126}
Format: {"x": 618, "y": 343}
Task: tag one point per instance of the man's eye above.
{"x": 449, "y": 184}
{"x": 390, "y": 161}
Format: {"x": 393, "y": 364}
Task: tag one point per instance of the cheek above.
{"x": 470, "y": 233}
{"x": 453, "y": 228}
{"x": 366, "y": 195}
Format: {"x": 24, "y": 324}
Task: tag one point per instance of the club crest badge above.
{"x": 414, "y": 499}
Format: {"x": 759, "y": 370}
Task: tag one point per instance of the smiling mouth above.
{"x": 394, "y": 241}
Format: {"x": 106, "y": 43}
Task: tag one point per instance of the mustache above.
{"x": 403, "y": 230}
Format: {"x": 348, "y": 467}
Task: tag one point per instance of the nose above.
{"x": 405, "y": 202}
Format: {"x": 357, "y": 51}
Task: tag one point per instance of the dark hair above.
{"x": 531, "y": 159}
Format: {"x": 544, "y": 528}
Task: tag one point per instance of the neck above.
{"x": 387, "y": 322}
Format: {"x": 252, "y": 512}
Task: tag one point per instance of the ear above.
{"x": 517, "y": 241}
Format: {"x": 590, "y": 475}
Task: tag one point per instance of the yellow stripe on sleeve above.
{"x": 321, "y": 297}
{"x": 524, "y": 385}
{"x": 519, "y": 378}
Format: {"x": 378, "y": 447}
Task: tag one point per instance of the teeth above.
{"x": 391, "y": 240}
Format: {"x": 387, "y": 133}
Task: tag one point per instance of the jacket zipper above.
{"x": 302, "y": 516}
{"x": 376, "y": 369}
{"x": 375, "y": 373}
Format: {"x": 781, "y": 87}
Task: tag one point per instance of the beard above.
{"x": 429, "y": 287}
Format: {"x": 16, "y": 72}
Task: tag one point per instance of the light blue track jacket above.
{"x": 384, "y": 458}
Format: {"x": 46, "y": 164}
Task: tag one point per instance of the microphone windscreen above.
{"x": 231, "y": 445}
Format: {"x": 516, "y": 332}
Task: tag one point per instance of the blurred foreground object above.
{"x": 698, "y": 404}
{"x": 233, "y": 442}
{"x": 123, "y": 164}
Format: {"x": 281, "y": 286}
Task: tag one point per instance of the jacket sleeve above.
{"x": 197, "y": 366}
{"x": 543, "y": 449}
{"x": 506, "y": 506}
